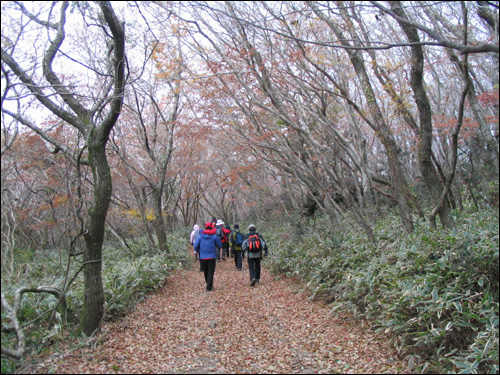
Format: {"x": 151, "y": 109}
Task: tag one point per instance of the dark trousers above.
{"x": 225, "y": 249}
{"x": 237, "y": 258}
{"x": 254, "y": 268}
{"x": 208, "y": 267}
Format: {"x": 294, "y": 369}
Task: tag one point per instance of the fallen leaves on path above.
{"x": 270, "y": 328}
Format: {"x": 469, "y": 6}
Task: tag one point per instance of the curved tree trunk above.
{"x": 427, "y": 169}
{"x": 379, "y": 125}
{"x": 73, "y": 112}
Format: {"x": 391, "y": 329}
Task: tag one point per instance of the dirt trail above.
{"x": 234, "y": 329}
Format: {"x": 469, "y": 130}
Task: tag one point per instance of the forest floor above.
{"x": 236, "y": 328}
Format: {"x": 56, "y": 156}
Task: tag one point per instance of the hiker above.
{"x": 222, "y": 233}
{"x": 235, "y": 243}
{"x": 254, "y": 244}
{"x": 207, "y": 246}
{"x": 193, "y": 237}
{"x": 214, "y": 229}
{"x": 225, "y": 245}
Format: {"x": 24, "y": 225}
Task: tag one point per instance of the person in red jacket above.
{"x": 223, "y": 235}
{"x": 214, "y": 222}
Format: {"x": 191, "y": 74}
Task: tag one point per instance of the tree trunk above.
{"x": 427, "y": 170}
{"x": 379, "y": 125}
{"x": 384, "y": 133}
{"x": 73, "y": 112}
{"x": 93, "y": 306}
{"x": 158, "y": 223}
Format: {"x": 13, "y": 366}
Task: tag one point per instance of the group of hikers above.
{"x": 216, "y": 242}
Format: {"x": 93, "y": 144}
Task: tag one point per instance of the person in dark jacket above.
{"x": 192, "y": 239}
{"x": 254, "y": 257}
{"x": 207, "y": 246}
{"x": 223, "y": 236}
{"x": 234, "y": 247}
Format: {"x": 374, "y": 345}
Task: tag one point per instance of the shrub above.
{"x": 126, "y": 281}
{"x": 435, "y": 293}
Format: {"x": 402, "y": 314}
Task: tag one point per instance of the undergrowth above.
{"x": 127, "y": 278}
{"x": 435, "y": 293}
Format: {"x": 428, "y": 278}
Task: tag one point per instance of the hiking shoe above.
{"x": 254, "y": 281}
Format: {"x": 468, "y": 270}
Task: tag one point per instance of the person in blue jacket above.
{"x": 207, "y": 246}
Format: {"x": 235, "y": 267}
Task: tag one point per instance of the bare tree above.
{"x": 155, "y": 125}
{"x": 91, "y": 110}
{"x": 292, "y": 110}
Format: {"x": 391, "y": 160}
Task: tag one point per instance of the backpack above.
{"x": 195, "y": 236}
{"x": 238, "y": 239}
{"x": 254, "y": 244}
{"x": 219, "y": 233}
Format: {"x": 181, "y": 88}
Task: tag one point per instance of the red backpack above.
{"x": 254, "y": 244}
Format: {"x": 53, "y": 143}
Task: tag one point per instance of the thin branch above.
{"x": 441, "y": 41}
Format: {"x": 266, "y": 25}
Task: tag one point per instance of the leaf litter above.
{"x": 270, "y": 328}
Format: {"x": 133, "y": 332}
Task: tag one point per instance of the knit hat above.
{"x": 251, "y": 226}
{"x": 208, "y": 225}
{"x": 236, "y": 226}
